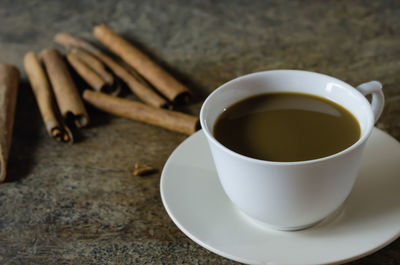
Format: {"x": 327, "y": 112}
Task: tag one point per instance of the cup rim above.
{"x": 354, "y": 146}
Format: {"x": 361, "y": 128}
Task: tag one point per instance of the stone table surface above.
{"x": 80, "y": 204}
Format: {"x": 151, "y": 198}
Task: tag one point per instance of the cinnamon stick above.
{"x": 95, "y": 64}
{"x": 142, "y": 90}
{"x": 44, "y": 99}
{"x": 92, "y": 78}
{"x": 168, "y": 119}
{"x": 70, "y": 41}
{"x": 67, "y": 96}
{"x": 158, "y": 77}
{"x": 9, "y": 77}
{"x": 92, "y": 71}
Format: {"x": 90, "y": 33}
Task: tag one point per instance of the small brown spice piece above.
{"x": 143, "y": 169}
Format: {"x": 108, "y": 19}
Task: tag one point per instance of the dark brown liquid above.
{"x": 286, "y": 127}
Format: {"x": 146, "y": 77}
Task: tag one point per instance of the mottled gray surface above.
{"x": 80, "y": 204}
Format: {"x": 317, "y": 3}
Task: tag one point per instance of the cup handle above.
{"x": 378, "y": 100}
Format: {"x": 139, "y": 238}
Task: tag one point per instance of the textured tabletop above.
{"x": 80, "y": 204}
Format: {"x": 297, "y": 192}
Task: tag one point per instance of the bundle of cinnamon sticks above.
{"x": 69, "y": 106}
{"x": 61, "y": 105}
{"x": 156, "y": 88}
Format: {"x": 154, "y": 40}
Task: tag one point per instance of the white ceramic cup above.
{"x": 291, "y": 195}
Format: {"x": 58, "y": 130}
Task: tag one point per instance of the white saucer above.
{"x": 368, "y": 221}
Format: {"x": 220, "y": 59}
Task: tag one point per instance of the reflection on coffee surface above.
{"x": 286, "y": 127}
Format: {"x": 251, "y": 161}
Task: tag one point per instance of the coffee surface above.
{"x": 286, "y": 127}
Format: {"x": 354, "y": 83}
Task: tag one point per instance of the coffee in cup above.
{"x": 286, "y": 127}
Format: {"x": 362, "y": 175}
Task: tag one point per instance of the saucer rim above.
{"x": 244, "y": 260}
